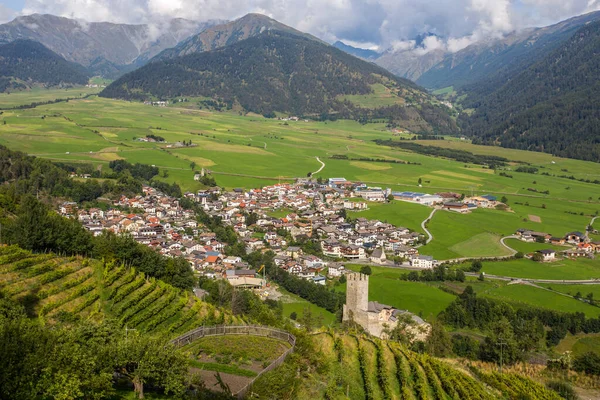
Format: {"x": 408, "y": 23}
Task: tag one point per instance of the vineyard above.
{"x": 59, "y": 288}
{"x": 366, "y": 368}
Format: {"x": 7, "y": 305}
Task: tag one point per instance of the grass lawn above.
{"x": 573, "y": 289}
{"x": 251, "y": 151}
{"x": 476, "y": 234}
{"x": 527, "y": 248}
{"x": 398, "y": 213}
{"x": 580, "y": 343}
{"x": 419, "y": 298}
{"x": 38, "y": 95}
{"x": 228, "y": 369}
{"x": 562, "y": 269}
{"x": 293, "y": 303}
{"x": 524, "y": 294}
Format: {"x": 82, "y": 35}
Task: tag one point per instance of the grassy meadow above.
{"x": 565, "y": 269}
{"x": 420, "y": 298}
{"x": 252, "y": 151}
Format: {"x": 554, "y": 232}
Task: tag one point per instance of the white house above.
{"x": 422, "y": 262}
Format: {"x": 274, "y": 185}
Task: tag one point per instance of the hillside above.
{"x": 24, "y": 63}
{"x": 550, "y": 107}
{"x": 283, "y": 72}
{"x": 357, "y": 367}
{"x": 494, "y": 61}
{"x": 229, "y": 33}
{"x": 63, "y": 288}
{"x": 105, "y": 47}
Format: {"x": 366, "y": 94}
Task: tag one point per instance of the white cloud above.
{"x": 372, "y": 23}
{"x": 6, "y": 14}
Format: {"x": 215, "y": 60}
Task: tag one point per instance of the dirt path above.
{"x": 430, "y": 236}
{"x": 322, "y": 166}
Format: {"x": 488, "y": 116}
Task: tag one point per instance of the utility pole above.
{"x": 501, "y": 343}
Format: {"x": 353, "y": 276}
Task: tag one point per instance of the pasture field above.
{"x": 527, "y": 247}
{"x": 417, "y": 297}
{"x": 580, "y": 343}
{"x": 399, "y": 213}
{"x": 38, "y": 95}
{"x": 567, "y": 269}
{"x": 524, "y": 294}
{"x": 251, "y": 151}
{"x": 292, "y": 303}
{"x": 572, "y": 290}
{"x": 381, "y": 97}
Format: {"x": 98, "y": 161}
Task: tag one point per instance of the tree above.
{"x": 500, "y": 345}
{"x": 519, "y": 255}
{"x": 540, "y": 239}
{"x": 588, "y": 362}
{"x": 165, "y": 173}
{"x": 460, "y": 275}
{"x": 343, "y": 279}
{"x": 476, "y": 266}
{"x": 504, "y": 200}
{"x": 420, "y": 181}
{"x": 307, "y": 320}
{"x": 537, "y": 257}
{"x": 293, "y": 315}
{"x": 390, "y": 198}
{"x": 192, "y": 165}
{"x": 481, "y": 277}
{"x": 438, "y": 343}
{"x": 366, "y": 270}
{"x": 146, "y": 359}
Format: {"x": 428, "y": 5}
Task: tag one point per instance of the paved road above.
{"x": 513, "y": 251}
{"x": 430, "y": 236}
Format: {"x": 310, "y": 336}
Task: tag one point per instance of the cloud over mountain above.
{"x": 384, "y": 23}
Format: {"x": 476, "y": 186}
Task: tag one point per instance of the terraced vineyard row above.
{"x": 56, "y": 287}
{"x": 368, "y": 368}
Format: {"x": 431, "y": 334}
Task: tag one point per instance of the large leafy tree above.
{"x": 143, "y": 359}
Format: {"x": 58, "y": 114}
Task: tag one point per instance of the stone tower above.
{"x": 357, "y": 295}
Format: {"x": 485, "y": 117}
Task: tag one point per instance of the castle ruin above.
{"x": 374, "y": 317}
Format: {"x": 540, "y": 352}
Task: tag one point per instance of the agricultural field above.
{"x": 360, "y": 367}
{"x": 419, "y": 298}
{"x": 237, "y": 358}
{"x": 381, "y": 97}
{"x": 39, "y": 95}
{"x": 528, "y": 247}
{"x": 519, "y": 294}
{"x": 399, "y": 213}
{"x": 580, "y": 344}
{"x": 295, "y": 304}
{"x": 58, "y": 288}
{"x": 251, "y": 151}
{"x": 565, "y": 269}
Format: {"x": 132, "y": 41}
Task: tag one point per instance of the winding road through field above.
{"x": 322, "y": 166}
{"x": 424, "y": 227}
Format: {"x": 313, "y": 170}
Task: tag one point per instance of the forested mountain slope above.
{"x": 24, "y": 63}
{"x": 279, "y": 71}
{"x": 495, "y": 61}
{"x": 549, "y": 107}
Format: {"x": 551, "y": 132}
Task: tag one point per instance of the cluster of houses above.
{"x": 580, "y": 244}
{"x": 313, "y": 212}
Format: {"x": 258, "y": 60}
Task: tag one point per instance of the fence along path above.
{"x": 253, "y": 330}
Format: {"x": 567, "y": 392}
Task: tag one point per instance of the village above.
{"x": 327, "y": 213}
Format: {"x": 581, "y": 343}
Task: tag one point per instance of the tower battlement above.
{"x": 357, "y": 292}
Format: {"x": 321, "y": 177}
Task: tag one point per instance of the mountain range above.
{"x": 280, "y": 71}
{"x": 105, "y": 48}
